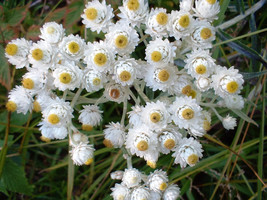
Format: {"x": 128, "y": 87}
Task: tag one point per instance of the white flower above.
{"x": 90, "y": 116}
{"x": 203, "y": 83}
{"x": 134, "y": 12}
{"x": 19, "y": 100}
{"x": 188, "y": 152}
{"x": 227, "y": 81}
{"x": 172, "y": 192}
{"x": 117, "y": 175}
{"x": 72, "y": 47}
{"x": 207, "y": 9}
{"x": 120, "y": 192}
{"x": 157, "y": 181}
{"x": 52, "y": 32}
{"x": 160, "y": 51}
{"x": 229, "y": 123}
{"x": 180, "y": 24}
{"x": 93, "y": 80}
{"x": 135, "y": 115}
{"x": 67, "y": 76}
{"x": 131, "y": 177}
{"x": 140, "y": 193}
{"x": 122, "y": 38}
{"x": 53, "y": 132}
{"x": 186, "y": 5}
{"x": 207, "y": 120}
{"x": 99, "y": 56}
{"x": 234, "y": 102}
{"x": 77, "y": 137}
{"x": 82, "y": 154}
{"x": 116, "y": 92}
{"x": 115, "y": 134}
{"x": 43, "y": 99}
{"x": 157, "y": 22}
{"x": 182, "y": 85}
{"x": 97, "y": 16}
{"x": 169, "y": 138}
{"x": 17, "y": 52}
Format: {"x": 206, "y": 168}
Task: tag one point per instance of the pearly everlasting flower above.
{"x": 157, "y": 22}
{"x": 203, "y": 83}
{"x": 42, "y": 100}
{"x": 67, "y": 76}
{"x": 131, "y": 177}
{"x": 120, "y": 192}
{"x": 157, "y": 181}
{"x": 168, "y": 139}
{"x": 134, "y": 12}
{"x": 82, "y": 154}
{"x": 116, "y": 92}
{"x": 207, "y": 120}
{"x": 172, "y": 192}
{"x": 52, "y": 32}
{"x": 53, "y": 132}
{"x": 72, "y": 47}
{"x": 114, "y": 135}
{"x": 188, "y": 152}
{"x": 229, "y": 122}
{"x": 140, "y": 193}
{"x": 186, "y": 5}
{"x": 19, "y": 100}
{"x": 77, "y": 138}
{"x": 117, "y": 175}
{"x": 90, "y": 116}
{"x": 93, "y": 80}
{"x": 160, "y": 52}
{"x": 97, "y": 16}
{"x": 207, "y": 9}
{"x": 122, "y": 38}
{"x": 183, "y": 85}
{"x": 234, "y": 102}
{"x": 135, "y": 115}
{"x": 17, "y": 52}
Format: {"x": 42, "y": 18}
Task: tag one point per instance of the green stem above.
{"x": 141, "y": 93}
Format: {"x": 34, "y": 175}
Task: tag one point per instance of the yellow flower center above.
{"x": 211, "y": 1}
{"x": 65, "y": 78}
{"x": 45, "y": 139}
{"x": 151, "y": 164}
{"x": 206, "y": 125}
{"x": 133, "y": 5}
{"x": 156, "y": 56}
{"x": 188, "y": 113}
{"x": 205, "y": 33}
{"x": 107, "y": 143}
{"x": 50, "y": 30}
{"x": 169, "y": 144}
{"x": 163, "y": 186}
{"x": 73, "y": 47}
{"x": 192, "y": 94}
{"x": 201, "y": 69}
{"x": 192, "y": 159}
{"x": 91, "y": 13}
{"x": 142, "y": 145}
{"x": 11, "y": 49}
{"x": 125, "y": 76}
{"x": 96, "y": 81}
{"x": 37, "y": 54}
{"x": 28, "y": 83}
{"x": 11, "y": 106}
{"x": 155, "y": 117}
{"x": 232, "y": 87}
{"x": 36, "y": 106}
{"x": 114, "y": 93}
{"x": 87, "y": 127}
{"x": 162, "y": 18}
{"x": 184, "y": 21}
{"x": 120, "y": 197}
{"x": 53, "y": 119}
{"x": 100, "y": 59}
{"x": 89, "y": 161}
{"x": 186, "y": 90}
{"x": 163, "y": 75}
{"x": 121, "y": 41}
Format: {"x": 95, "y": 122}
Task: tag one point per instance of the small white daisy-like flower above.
{"x": 157, "y": 181}
{"x": 41, "y": 55}
{"x": 168, "y": 139}
{"x": 182, "y": 85}
{"x": 140, "y": 193}
{"x": 82, "y": 154}
{"x": 188, "y": 152}
{"x": 78, "y": 137}
{"x": 234, "y": 102}
{"x": 93, "y": 80}
{"x": 19, "y": 100}
{"x": 203, "y": 83}
{"x": 186, "y": 112}
{"x": 135, "y": 115}
{"x": 131, "y": 177}
{"x": 120, "y": 192}
{"x": 156, "y": 115}
{"x": 229, "y": 122}
{"x": 52, "y": 32}
{"x": 227, "y": 81}
{"x": 122, "y": 38}
{"x": 160, "y": 51}
{"x": 90, "y": 116}
{"x": 17, "y": 52}
{"x": 186, "y": 5}
{"x": 99, "y": 56}
{"x": 207, "y": 120}
{"x": 72, "y": 47}
{"x": 180, "y": 24}
{"x": 200, "y": 63}
{"x": 172, "y": 192}
{"x": 97, "y": 16}
{"x": 53, "y": 132}
{"x": 42, "y": 100}
{"x": 207, "y": 9}
{"x": 116, "y": 92}
{"x": 114, "y": 135}
{"x": 117, "y": 175}
{"x": 134, "y": 12}
{"x": 58, "y": 113}
{"x": 202, "y": 34}
{"x": 67, "y": 76}
{"x": 157, "y": 22}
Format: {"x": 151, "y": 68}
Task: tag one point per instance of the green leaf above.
{"x": 57, "y": 15}
{"x": 4, "y": 69}
{"x": 250, "y": 75}
{"x": 15, "y": 16}
{"x": 14, "y": 178}
{"x": 33, "y": 32}
{"x": 74, "y": 12}
{"x": 244, "y": 116}
{"x": 3, "y": 188}
{"x": 241, "y": 48}
{"x": 223, "y": 6}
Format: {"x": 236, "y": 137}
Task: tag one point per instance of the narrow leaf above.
{"x": 244, "y": 116}
{"x": 4, "y": 69}
{"x": 250, "y": 75}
